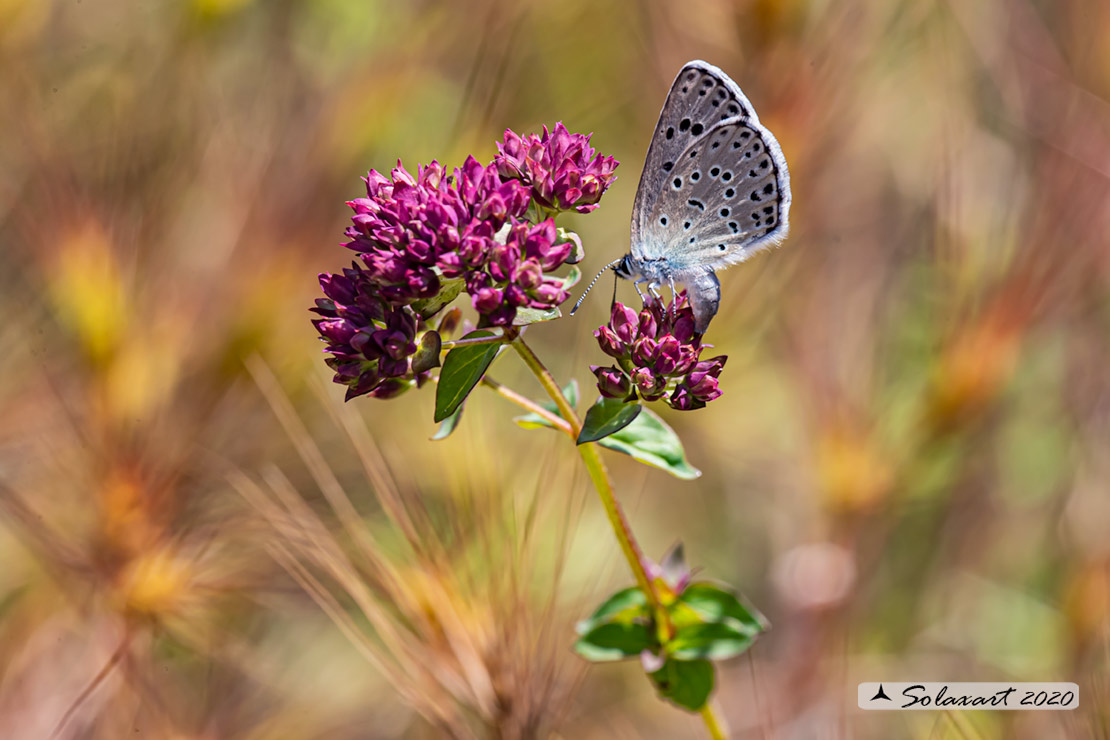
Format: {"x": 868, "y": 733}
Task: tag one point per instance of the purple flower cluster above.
{"x": 658, "y": 356}
{"x": 561, "y": 168}
{"x": 514, "y": 276}
{"x": 407, "y": 226}
{"x": 371, "y": 342}
{"x": 432, "y": 234}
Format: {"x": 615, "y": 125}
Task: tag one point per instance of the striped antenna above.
{"x": 605, "y": 269}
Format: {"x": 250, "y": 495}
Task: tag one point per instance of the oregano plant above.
{"x": 490, "y": 232}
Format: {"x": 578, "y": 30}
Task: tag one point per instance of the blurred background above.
{"x": 907, "y": 473}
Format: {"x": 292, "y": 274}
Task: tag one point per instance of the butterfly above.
{"x": 715, "y": 190}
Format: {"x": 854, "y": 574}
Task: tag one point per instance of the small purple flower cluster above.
{"x": 483, "y": 228}
{"x": 371, "y": 342}
{"x": 514, "y": 276}
{"x": 561, "y": 168}
{"x": 658, "y": 356}
{"x": 408, "y": 226}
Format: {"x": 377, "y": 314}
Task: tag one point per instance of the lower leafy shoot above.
{"x": 704, "y": 622}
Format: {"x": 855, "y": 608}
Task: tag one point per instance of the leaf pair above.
{"x": 710, "y": 623}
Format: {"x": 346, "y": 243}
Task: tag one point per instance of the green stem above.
{"x": 599, "y": 475}
{"x": 529, "y": 405}
{"x": 495, "y": 339}
{"x": 716, "y": 727}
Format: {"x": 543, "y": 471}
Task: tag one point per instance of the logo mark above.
{"x": 881, "y": 694}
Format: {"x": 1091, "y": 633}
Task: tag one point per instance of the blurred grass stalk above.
{"x": 467, "y": 645}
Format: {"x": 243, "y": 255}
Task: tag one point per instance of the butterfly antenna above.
{"x": 593, "y": 282}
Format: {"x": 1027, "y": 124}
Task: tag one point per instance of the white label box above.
{"x": 940, "y": 695}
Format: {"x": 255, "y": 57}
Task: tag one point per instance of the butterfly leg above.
{"x": 653, "y": 288}
{"x": 636, "y": 285}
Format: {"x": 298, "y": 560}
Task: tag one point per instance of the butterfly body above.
{"x": 715, "y": 189}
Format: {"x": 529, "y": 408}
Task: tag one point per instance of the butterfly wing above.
{"x": 701, "y": 96}
{"x": 726, "y": 197}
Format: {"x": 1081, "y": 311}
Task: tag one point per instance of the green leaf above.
{"x": 607, "y": 416}
{"x": 526, "y": 316}
{"x": 651, "y": 441}
{"x": 712, "y": 640}
{"x": 578, "y": 253}
{"x": 448, "y": 425}
{"x": 462, "y": 369}
{"x": 572, "y": 278}
{"x": 533, "y": 421}
{"x": 647, "y": 438}
{"x": 685, "y": 683}
{"x": 449, "y": 290}
{"x": 614, "y": 641}
{"x": 427, "y": 354}
{"x": 712, "y": 603}
{"x": 623, "y": 606}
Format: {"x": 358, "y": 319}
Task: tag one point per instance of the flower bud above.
{"x": 612, "y": 382}
{"x": 609, "y": 342}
